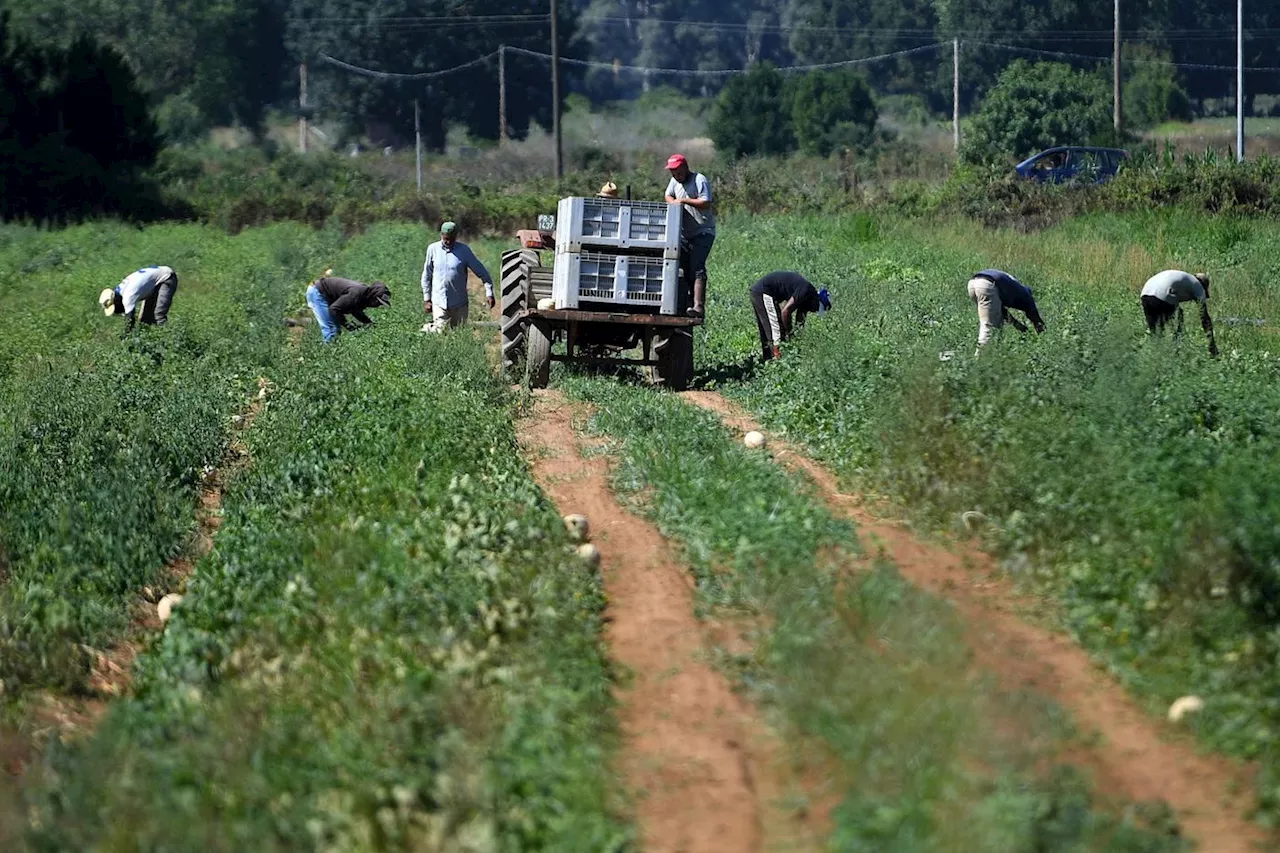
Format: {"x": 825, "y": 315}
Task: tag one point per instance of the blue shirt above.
{"x": 444, "y": 275}
{"x": 1013, "y": 293}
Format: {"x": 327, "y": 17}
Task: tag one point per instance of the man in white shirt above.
{"x": 1163, "y": 295}
{"x": 692, "y": 191}
{"x": 154, "y": 287}
{"x": 444, "y": 280}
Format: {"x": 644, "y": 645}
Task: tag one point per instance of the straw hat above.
{"x": 107, "y": 301}
{"x": 609, "y": 190}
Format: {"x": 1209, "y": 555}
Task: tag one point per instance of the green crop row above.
{"x": 1133, "y": 478}
{"x": 392, "y": 646}
{"x": 104, "y": 441}
{"x": 865, "y": 678}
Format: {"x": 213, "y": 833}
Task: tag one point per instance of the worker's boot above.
{"x": 699, "y": 296}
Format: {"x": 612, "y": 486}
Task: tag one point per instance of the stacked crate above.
{"x": 616, "y": 255}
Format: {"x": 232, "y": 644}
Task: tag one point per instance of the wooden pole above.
{"x": 417, "y": 139}
{"x": 955, "y": 92}
{"x": 302, "y": 108}
{"x": 502, "y": 93}
{"x": 1239, "y": 80}
{"x": 555, "y": 90}
{"x": 1118, "y": 115}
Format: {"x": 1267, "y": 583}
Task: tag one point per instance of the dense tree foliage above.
{"x": 210, "y": 62}
{"x": 1152, "y": 93}
{"x": 832, "y": 110}
{"x": 75, "y": 131}
{"x": 364, "y": 33}
{"x": 1036, "y": 106}
{"x": 753, "y": 114}
{"x": 223, "y": 58}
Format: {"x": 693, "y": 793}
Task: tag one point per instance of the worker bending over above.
{"x": 995, "y": 292}
{"x": 778, "y": 299}
{"x": 332, "y": 300}
{"x": 1163, "y": 295}
{"x": 154, "y": 287}
{"x": 444, "y": 280}
{"x": 692, "y": 191}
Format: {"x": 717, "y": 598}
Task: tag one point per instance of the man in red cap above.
{"x": 692, "y": 190}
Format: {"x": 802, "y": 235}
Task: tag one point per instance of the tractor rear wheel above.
{"x": 539, "y": 359}
{"x": 674, "y": 353}
{"x": 515, "y": 299}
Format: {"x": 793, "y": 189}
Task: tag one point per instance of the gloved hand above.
{"x": 492, "y": 302}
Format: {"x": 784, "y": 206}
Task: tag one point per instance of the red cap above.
{"x": 675, "y": 161}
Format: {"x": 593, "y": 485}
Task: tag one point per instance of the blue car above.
{"x": 1073, "y": 163}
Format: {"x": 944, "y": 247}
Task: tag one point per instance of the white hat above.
{"x": 107, "y": 299}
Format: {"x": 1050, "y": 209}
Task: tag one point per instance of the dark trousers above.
{"x": 768, "y": 322}
{"x": 155, "y": 308}
{"x": 1159, "y": 313}
{"x": 699, "y": 251}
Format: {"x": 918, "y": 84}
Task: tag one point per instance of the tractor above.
{"x": 616, "y": 283}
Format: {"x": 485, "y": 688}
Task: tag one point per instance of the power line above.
{"x": 390, "y": 75}
{"x": 1137, "y": 60}
{"x": 729, "y": 72}
{"x": 724, "y": 72}
{"x": 749, "y": 27}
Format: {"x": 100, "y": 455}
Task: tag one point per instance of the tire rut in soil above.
{"x": 1139, "y": 759}
{"x": 700, "y": 766}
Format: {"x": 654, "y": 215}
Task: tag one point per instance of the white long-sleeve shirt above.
{"x": 137, "y": 286}
{"x": 1174, "y": 286}
{"x": 444, "y": 275}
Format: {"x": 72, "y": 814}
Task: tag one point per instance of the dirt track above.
{"x": 695, "y": 758}
{"x": 1139, "y": 757}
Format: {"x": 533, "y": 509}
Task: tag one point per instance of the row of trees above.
{"x": 789, "y": 32}
{"x": 76, "y": 132}
{"x": 208, "y": 62}
{"x": 763, "y": 112}
{"x": 1032, "y": 106}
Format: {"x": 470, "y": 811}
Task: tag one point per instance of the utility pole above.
{"x": 1239, "y": 80}
{"x": 502, "y": 93}
{"x": 417, "y": 139}
{"x": 555, "y": 89}
{"x": 955, "y": 92}
{"x": 1116, "y": 76}
{"x": 302, "y": 108}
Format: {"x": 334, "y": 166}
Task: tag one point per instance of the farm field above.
{"x": 392, "y": 644}
{"x": 1129, "y": 482}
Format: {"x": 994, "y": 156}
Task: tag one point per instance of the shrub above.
{"x": 1037, "y": 106}
{"x": 751, "y": 116}
{"x": 831, "y": 110}
{"x": 1153, "y": 95}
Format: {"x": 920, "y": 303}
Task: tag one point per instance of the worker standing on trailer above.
{"x": 781, "y": 299}
{"x": 332, "y": 300}
{"x": 154, "y": 287}
{"x": 444, "y": 280}
{"x": 692, "y": 191}
{"x": 1163, "y": 295}
{"x": 995, "y": 292}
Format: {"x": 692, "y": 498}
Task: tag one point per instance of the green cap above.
{"x": 448, "y": 228}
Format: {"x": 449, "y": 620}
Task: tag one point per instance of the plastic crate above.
{"x": 618, "y": 279}
{"x": 583, "y": 224}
